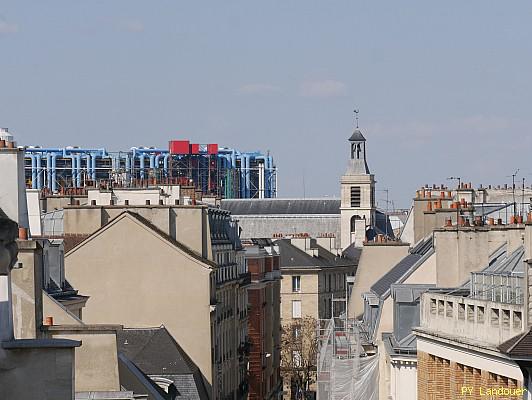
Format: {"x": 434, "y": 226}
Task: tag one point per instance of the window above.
{"x": 355, "y": 196}
{"x": 296, "y": 358}
{"x": 296, "y": 331}
{"x": 296, "y": 283}
{"x": 296, "y": 308}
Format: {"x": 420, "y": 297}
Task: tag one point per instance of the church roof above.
{"x": 357, "y": 136}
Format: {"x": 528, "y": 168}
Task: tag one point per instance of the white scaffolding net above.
{"x": 345, "y": 372}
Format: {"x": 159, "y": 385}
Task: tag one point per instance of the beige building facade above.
{"x": 177, "y": 266}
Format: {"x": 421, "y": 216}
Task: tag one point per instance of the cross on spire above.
{"x": 356, "y": 111}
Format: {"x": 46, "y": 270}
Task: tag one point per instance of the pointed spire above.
{"x": 357, "y": 135}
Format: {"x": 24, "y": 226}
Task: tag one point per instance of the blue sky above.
{"x": 444, "y": 88}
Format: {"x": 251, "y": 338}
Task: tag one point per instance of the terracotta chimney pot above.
{"x": 23, "y": 233}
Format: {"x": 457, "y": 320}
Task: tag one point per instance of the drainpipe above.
{"x": 165, "y": 164}
{"x": 39, "y": 170}
{"x": 33, "y": 171}
{"x": 78, "y": 170}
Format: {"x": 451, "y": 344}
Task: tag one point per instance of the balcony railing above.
{"x": 500, "y": 288}
{"x": 476, "y": 320}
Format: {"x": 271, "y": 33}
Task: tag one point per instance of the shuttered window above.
{"x": 355, "y": 196}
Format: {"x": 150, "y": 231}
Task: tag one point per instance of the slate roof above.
{"x": 156, "y": 353}
{"x": 382, "y": 286}
{"x": 357, "y": 136}
{"x": 282, "y": 206}
{"x": 292, "y": 256}
{"x": 132, "y": 378}
{"x": 352, "y": 252}
{"x": 519, "y": 346}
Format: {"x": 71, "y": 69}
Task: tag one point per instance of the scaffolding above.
{"x": 345, "y": 371}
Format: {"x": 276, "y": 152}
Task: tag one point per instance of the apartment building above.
{"x": 313, "y": 278}
{"x": 178, "y": 266}
{"x": 262, "y": 258}
{"x": 472, "y": 340}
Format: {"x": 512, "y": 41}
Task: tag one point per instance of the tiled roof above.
{"x": 519, "y": 346}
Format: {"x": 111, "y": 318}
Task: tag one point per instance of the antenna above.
{"x": 456, "y": 178}
{"x": 513, "y": 191}
{"x": 356, "y": 111}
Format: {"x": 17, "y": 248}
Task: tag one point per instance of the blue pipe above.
{"x": 93, "y": 167}
{"x": 158, "y": 160}
{"x": 233, "y": 159}
{"x": 78, "y": 170}
{"x": 248, "y": 177}
{"x": 39, "y": 170}
{"x": 65, "y": 151}
{"x": 242, "y": 159}
{"x": 73, "y": 158}
{"x": 88, "y": 165}
{"x": 141, "y": 158}
{"x": 152, "y": 161}
{"x": 165, "y": 164}
{"x": 54, "y": 173}
{"x": 270, "y": 177}
{"x": 128, "y": 167}
{"x": 137, "y": 150}
{"x": 49, "y": 170}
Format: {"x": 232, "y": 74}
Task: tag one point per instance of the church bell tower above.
{"x": 357, "y": 208}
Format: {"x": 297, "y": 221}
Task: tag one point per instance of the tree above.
{"x": 299, "y": 351}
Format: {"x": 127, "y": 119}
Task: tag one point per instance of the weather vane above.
{"x": 356, "y": 111}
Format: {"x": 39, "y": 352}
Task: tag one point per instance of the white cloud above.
{"x": 6, "y": 27}
{"x": 325, "y": 88}
{"x": 258, "y": 88}
{"x": 131, "y": 25}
